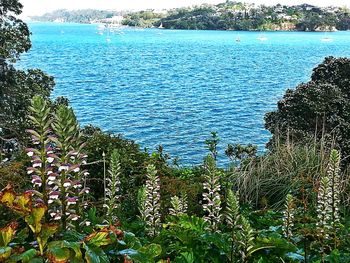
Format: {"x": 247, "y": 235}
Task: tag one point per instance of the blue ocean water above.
{"x": 174, "y": 87}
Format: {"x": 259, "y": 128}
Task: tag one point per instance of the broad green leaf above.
{"x": 34, "y": 218}
{"x": 132, "y": 241}
{"x": 75, "y": 246}
{"x": 47, "y": 231}
{"x": 28, "y": 255}
{"x": 152, "y": 250}
{"x": 36, "y": 260}
{"x": 95, "y": 254}
{"x": 58, "y": 254}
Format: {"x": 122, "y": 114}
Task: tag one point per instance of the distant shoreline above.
{"x": 228, "y": 16}
{"x": 165, "y": 29}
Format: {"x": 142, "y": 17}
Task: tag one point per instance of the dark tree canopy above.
{"x": 14, "y": 33}
{"x": 320, "y": 106}
{"x": 17, "y": 87}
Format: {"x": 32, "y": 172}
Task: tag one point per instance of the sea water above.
{"x": 174, "y": 87}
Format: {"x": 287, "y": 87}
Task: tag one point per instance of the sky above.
{"x": 39, "y": 7}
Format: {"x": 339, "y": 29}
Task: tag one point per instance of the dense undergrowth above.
{"x": 289, "y": 205}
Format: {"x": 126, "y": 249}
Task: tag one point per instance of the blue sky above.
{"x": 37, "y": 7}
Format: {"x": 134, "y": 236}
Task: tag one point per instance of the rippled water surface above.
{"x": 174, "y": 87}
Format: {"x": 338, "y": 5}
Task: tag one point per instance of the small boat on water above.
{"x": 161, "y": 26}
{"x": 238, "y": 39}
{"x": 262, "y": 38}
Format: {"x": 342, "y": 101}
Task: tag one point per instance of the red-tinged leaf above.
{"x": 58, "y": 254}
{"x": 7, "y": 196}
{"x": 7, "y": 234}
{"x": 23, "y": 203}
{"x": 98, "y": 239}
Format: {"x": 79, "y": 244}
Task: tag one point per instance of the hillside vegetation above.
{"x": 226, "y": 16}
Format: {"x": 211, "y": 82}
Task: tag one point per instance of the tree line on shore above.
{"x": 225, "y": 16}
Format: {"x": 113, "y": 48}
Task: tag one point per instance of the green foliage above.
{"x": 14, "y": 32}
{"x": 317, "y": 108}
{"x": 132, "y": 161}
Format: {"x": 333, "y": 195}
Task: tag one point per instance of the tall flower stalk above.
{"x": 329, "y": 199}
{"x": 333, "y": 173}
{"x": 151, "y": 205}
{"x": 112, "y": 201}
{"x": 56, "y": 161}
{"x": 245, "y": 239}
{"x": 288, "y": 217}
{"x": 211, "y": 194}
{"x": 232, "y": 216}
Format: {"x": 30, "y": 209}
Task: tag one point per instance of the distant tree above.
{"x": 320, "y": 106}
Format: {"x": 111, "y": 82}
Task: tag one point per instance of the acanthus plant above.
{"x": 112, "y": 201}
{"x": 329, "y": 200}
{"x": 57, "y": 160}
{"x": 149, "y": 199}
{"x": 211, "y": 194}
{"x": 288, "y": 217}
{"x": 232, "y": 216}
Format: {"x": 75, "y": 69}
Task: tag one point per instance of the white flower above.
{"x": 54, "y": 195}
{"x": 52, "y": 177}
{"x": 63, "y": 168}
{"x": 37, "y": 164}
{"x": 87, "y": 223}
{"x": 50, "y": 159}
{"x": 67, "y": 184}
{"x": 30, "y": 154}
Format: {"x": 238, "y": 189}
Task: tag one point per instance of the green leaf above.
{"x": 75, "y": 246}
{"x": 151, "y": 250}
{"x": 36, "y": 260}
{"x": 58, "y": 254}
{"x": 47, "y": 231}
{"x": 28, "y": 255}
{"x": 34, "y": 218}
{"x": 95, "y": 254}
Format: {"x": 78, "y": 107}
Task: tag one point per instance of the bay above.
{"x": 174, "y": 87}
